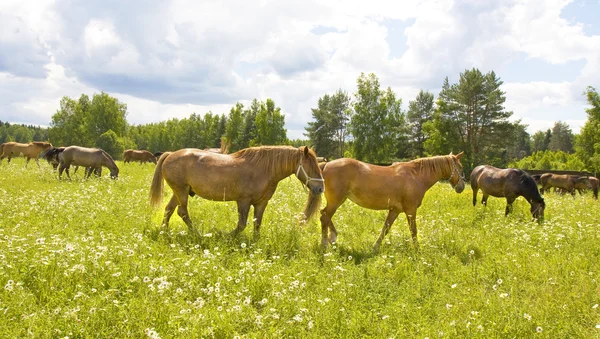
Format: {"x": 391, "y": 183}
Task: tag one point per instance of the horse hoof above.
{"x": 332, "y": 237}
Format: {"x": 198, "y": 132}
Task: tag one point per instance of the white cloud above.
{"x": 171, "y": 58}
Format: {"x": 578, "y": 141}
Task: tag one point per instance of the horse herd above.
{"x": 250, "y": 177}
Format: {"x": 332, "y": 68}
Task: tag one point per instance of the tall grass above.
{"x": 85, "y": 258}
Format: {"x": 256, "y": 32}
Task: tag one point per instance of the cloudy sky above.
{"x": 170, "y": 58}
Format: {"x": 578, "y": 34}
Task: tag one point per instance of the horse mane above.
{"x": 528, "y": 186}
{"x": 269, "y": 158}
{"x": 40, "y": 143}
{"x": 437, "y": 165}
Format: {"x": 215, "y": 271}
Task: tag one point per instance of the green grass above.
{"x": 85, "y": 258}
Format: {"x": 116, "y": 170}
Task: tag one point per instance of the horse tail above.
{"x": 312, "y": 205}
{"x": 1, "y": 151}
{"x": 157, "y": 187}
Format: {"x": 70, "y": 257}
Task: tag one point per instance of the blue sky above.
{"x": 170, "y": 58}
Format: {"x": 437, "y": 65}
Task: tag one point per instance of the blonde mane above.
{"x": 440, "y": 165}
{"x": 271, "y": 158}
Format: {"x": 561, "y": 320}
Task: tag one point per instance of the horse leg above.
{"x": 169, "y": 209}
{"x": 259, "y": 210}
{"x": 509, "y": 206}
{"x": 475, "y": 189}
{"x": 183, "y": 213}
{"x": 411, "y": 217}
{"x": 243, "y": 209}
{"x": 484, "y": 199}
{"x": 326, "y": 222}
{"x": 37, "y": 161}
{"x": 389, "y": 220}
{"x": 27, "y": 162}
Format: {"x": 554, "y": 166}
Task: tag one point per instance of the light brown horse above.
{"x": 92, "y": 158}
{"x": 510, "y": 183}
{"x": 593, "y": 185}
{"x": 142, "y": 156}
{"x": 30, "y": 150}
{"x": 564, "y": 181}
{"x": 249, "y": 176}
{"x": 397, "y": 188}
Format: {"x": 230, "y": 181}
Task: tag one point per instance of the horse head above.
{"x": 457, "y": 175}
{"x": 537, "y": 209}
{"x": 114, "y": 173}
{"x": 308, "y": 171}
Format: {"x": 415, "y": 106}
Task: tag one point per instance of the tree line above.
{"x": 368, "y": 125}
{"x": 467, "y": 116}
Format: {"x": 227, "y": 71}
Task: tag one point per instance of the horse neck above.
{"x": 280, "y": 164}
{"x": 431, "y": 172}
{"x": 108, "y": 162}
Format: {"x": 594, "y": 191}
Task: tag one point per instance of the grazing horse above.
{"x": 249, "y": 177}
{"x": 30, "y": 150}
{"x": 397, "y": 188}
{"x": 92, "y": 158}
{"x": 564, "y": 181}
{"x": 158, "y": 154}
{"x": 52, "y": 157}
{"x": 142, "y": 156}
{"x": 509, "y": 183}
{"x": 322, "y": 159}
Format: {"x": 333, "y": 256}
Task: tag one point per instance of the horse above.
{"x": 509, "y": 183}
{"x": 322, "y": 159}
{"x": 30, "y": 150}
{"x": 157, "y": 155}
{"x": 52, "y": 157}
{"x": 88, "y": 157}
{"x": 397, "y": 188}
{"x": 564, "y": 181}
{"x": 249, "y": 177}
{"x": 593, "y": 185}
{"x": 142, "y": 156}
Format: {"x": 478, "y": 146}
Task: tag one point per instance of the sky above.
{"x": 170, "y": 58}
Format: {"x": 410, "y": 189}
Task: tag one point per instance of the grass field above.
{"x": 85, "y": 258}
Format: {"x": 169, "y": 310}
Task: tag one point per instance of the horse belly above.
{"x": 375, "y": 198}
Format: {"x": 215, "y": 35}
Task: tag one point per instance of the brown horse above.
{"x": 142, "y": 156}
{"x": 564, "y": 181}
{"x": 30, "y": 150}
{"x": 249, "y": 176}
{"x": 509, "y": 183}
{"x": 52, "y": 157}
{"x": 397, "y": 188}
{"x": 92, "y": 158}
{"x": 594, "y": 185}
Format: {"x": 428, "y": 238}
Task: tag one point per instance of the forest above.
{"x": 369, "y": 124}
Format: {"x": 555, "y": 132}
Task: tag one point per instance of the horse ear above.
{"x": 459, "y": 155}
{"x": 305, "y": 150}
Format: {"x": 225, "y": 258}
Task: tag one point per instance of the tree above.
{"x": 419, "y": 112}
{"x": 234, "y": 128}
{"x": 109, "y": 142}
{"x": 561, "y": 138}
{"x": 269, "y": 123}
{"x": 588, "y": 141}
{"x": 249, "y": 133}
{"x": 328, "y": 132}
{"x": 378, "y": 122}
{"x": 539, "y": 141}
{"x": 106, "y": 113}
{"x": 471, "y": 117}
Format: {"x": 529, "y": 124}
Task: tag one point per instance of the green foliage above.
{"x": 110, "y": 143}
{"x": 21, "y": 133}
{"x": 540, "y": 140}
{"x": 420, "y": 111}
{"x": 328, "y": 132}
{"x": 85, "y": 258}
{"x": 588, "y": 141}
{"x": 269, "y": 124}
{"x": 470, "y": 117}
{"x": 550, "y": 160}
{"x": 234, "y": 128}
{"x": 378, "y": 124}
{"x": 561, "y": 138}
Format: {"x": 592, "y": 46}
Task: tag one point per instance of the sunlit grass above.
{"x": 85, "y": 258}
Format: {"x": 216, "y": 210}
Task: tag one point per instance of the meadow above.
{"x": 86, "y": 258}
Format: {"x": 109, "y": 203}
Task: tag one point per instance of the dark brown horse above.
{"x": 509, "y": 183}
{"x": 397, "y": 188}
{"x": 249, "y": 177}
{"x": 30, "y": 150}
{"x": 564, "y": 181}
{"x": 87, "y": 157}
{"x": 594, "y": 184}
{"x": 142, "y": 156}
